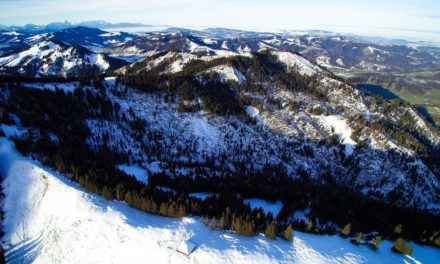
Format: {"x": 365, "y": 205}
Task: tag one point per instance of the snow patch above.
{"x": 274, "y": 208}
{"x": 340, "y": 127}
{"x": 252, "y": 111}
{"x": 228, "y": 73}
{"x": 201, "y": 196}
{"x": 98, "y": 60}
{"x": 110, "y": 34}
{"x": 136, "y": 171}
{"x": 66, "y": 87}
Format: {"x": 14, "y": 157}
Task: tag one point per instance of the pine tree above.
{"x": 309, "y": 227}
{"x": 182, "y": 211}
{"x": 222, "y": 222}
{"x": 214, "y": 223}
{"x": 120, "y": 191}
{"x": 376, "y": 242}
{"x": 345, "y": 232}
{"x": 107, "y": 193}
{"x": 288, "y": 233}
{"x": 271, "y": 230}
{"x": 398, "y": 229}
{"x": 163, "y": 210}
{"x": 357, "y": 240}
{"x": 401, "y": 247}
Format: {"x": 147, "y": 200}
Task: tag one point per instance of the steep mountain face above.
{"x": 292, "y": 120}
{"x": 300, "y": 121}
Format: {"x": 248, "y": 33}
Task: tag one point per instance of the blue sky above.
{"x": 418, "y": 19}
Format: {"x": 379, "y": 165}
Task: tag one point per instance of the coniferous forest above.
{"x": 66, "y": 114}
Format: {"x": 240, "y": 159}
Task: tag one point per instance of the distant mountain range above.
{"x": 55, "y": 26}
{"x": 403, "y": 68}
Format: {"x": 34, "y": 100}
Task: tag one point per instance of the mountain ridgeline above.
{"x": 237, "y": 118}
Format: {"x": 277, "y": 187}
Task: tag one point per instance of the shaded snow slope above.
{"x": 51, "y": 220}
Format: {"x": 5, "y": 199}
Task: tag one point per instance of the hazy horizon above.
{"x": 406, "y": 19}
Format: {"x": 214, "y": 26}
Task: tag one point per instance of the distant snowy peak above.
{"x": 293, "y": 61}
{"x": 146, "y": 45}
{"x": 54, "y": 58}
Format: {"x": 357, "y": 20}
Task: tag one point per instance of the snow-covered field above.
{"x": 52, "y": 220}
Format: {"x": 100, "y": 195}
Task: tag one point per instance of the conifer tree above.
{"x": 346, "y": 231}
{"x": 309, "y": 227}
{"x": 182, "y": 211}
{"x": 288, "y": 233}
{"x": 163, "y": 210}
{"x": 222, "y": 222}
{"x": 401, "y": 247}
{"x": 271, "y": 230}
{"x": 107, "y": 193}
{"x": 398, "y": 229}
{"x": 376, "y": 242}
{"x": 358, "y": 239}
{"x": 214, "y": 223}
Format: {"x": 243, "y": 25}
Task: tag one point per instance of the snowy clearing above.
{"x": 201, "y": 196}
{"x": 274, "y": 208}
{"x": 340, "y": 127}
{"x": 136, "y": 171}
{"x": 228, "y": 73}
{"x": 51, "y": 220}
{"x": 66, "y": 87}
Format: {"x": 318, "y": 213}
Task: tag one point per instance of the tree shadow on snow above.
{"x": 26, "y": 251}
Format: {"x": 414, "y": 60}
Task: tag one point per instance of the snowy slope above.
{"x": 228, "y": 73}
{"x": 340, "y": 127}
{"x": 51, "y": 220}
{"x": 293, "y": 61}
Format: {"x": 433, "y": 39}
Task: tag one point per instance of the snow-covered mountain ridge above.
{"x": 199, "y": 115}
